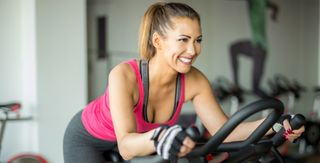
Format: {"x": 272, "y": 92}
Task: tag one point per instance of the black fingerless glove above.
{"x": 168, "y": 141}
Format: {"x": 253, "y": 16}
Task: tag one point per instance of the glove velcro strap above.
{"x": 157, "y": 132}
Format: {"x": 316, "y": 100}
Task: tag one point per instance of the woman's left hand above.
{"x": 290, "y": 134}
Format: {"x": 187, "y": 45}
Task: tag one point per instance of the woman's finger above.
{"x": 286, "y": 125}
{"x": 189, "y": 142}
{"x": 300, "y": 130}
{"x": 183, "y": 151}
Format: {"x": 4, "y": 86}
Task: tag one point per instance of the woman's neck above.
{"x": 160, "y": 72}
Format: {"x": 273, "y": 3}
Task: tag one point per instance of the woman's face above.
{"x": 182, "y": 44}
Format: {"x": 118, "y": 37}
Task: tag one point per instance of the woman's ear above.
{"x": 156, "y": 40}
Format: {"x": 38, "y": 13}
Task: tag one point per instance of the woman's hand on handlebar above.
{"x": 290, "y": 134}
{"x": 172, "y": 142}
{"x": 187, "y": 145}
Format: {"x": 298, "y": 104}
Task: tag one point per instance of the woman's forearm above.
{"x": 244, "y": 130}
{"x": 136, "y": 144}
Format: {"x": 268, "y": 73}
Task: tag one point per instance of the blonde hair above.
{"x": 158, "y": 18}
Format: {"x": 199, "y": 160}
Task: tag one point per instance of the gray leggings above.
{"x": 81, "y": 147}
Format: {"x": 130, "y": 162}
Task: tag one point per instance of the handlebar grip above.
{"x": 193, "y": 132}
{"x": 296, "y": 122}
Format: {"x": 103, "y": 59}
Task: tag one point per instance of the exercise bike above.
{"x": 250, "y": 150}
{"x": 7, "y": 110}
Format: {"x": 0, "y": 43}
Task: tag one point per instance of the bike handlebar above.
{"x": 215, "y": 142}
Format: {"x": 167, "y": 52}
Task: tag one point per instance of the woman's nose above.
{"x": 191, "y": 49}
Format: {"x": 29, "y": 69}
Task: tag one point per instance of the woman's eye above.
{"x": 199, "y": 40}
{"x": 183, "y": 40}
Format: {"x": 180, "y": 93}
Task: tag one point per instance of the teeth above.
{"x": 186, "y": 60}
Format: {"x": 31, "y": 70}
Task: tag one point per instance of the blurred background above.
{"x": 55, "y": 56}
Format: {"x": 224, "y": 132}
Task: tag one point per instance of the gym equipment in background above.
{"x": 6, "y": 110}
{"x": 225, "y": 90}
{"x": 281, "y": 87}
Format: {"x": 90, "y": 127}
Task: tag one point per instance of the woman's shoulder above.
{"x": 195, "y": 81}
{"x": 195, "y": 74}
{"x": 124, "y": 70}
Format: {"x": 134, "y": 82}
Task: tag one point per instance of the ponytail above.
{"x": 146, "y": 49}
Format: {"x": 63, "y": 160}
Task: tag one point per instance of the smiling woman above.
{"x": 181, "y": 44}
{"x": 144, "y": 98}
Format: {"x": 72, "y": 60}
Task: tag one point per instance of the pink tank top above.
{"x": 96, "y": 117}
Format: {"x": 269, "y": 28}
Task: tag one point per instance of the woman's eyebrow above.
{"x": 190, "y": 36}
{"x": 185, "y": 36}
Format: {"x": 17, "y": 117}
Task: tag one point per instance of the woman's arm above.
{"x": 210, "y": 112}
{"x": 212, "y": 116}
{"x": 122, "y": 100}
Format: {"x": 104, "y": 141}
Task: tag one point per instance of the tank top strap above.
{"x": 134, "y": 66}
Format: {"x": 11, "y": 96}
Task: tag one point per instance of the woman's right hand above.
{"x": 172, "y": 142}
{"x": 187, "y": 145}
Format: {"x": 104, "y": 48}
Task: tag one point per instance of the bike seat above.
{"x": 13, "y": 106}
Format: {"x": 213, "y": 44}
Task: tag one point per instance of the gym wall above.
{"x": 293, "y": 40}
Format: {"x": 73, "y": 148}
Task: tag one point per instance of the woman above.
{"x": 144, "y": 98}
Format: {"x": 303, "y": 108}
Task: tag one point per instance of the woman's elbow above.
{"x": 125, "y": 152}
